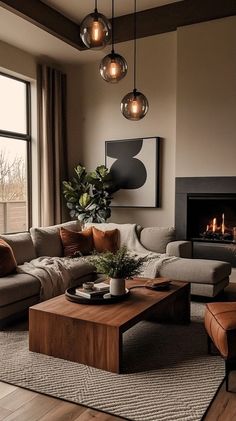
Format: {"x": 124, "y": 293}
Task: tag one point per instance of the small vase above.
{"x": 117, "y": 286}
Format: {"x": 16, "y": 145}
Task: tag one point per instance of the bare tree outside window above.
{"x": 12, "y": 178}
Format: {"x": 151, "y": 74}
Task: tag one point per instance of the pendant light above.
{"x": 134, "y": 105}
{"x": 95, "y": 30}
{"x": 113, "y": 67}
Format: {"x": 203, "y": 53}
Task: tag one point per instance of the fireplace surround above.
{"x": 205, "y": 213}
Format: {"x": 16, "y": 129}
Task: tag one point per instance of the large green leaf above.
{"x": 91, "y": 207}
{"x": 80, "y": 171}
{"x": 102, "y": 170}
{"x": 84, "y": 200}
{"x": 92, "y": 176}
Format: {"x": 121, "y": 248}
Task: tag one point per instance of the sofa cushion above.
{"x": 77, "y": 242}
{"x": 7, "y": 259}
{"x": 105, "y": 240}
{"x": 22, "y": 246}
{"x": 17, "y": 287}
{"x": 157, "y": 238}
{"x": 47, "y": 240}
{"x": 196, "y": 270}
{"x": 125, "y": 231}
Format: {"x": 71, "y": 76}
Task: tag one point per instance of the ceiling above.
{"x": 77, "y": 9}
{"x": 20, "y": 33}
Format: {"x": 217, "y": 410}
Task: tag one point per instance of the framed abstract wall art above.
{"x": 134, "y": 164}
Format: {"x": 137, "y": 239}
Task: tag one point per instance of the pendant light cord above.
{"x": 112, "y": 26}
{"x": 96, "y": 6}
{"x": 135, "y": 52}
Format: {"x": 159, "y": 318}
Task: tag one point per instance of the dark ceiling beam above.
{"x": 169, "y": 17}
{"x": 46, "y": 18}
{"x": 154, "y": 21}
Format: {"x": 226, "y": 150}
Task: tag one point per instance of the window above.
{"x": 15, "y": 142}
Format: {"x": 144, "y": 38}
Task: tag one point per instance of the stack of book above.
{"x": 98, "y": 290}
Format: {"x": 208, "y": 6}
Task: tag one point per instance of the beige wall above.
{"x": 17, "y": 61}
{"x": 206, "y": 100}
{"x": 100, "y": 118}
{"x": 74, "y": 99}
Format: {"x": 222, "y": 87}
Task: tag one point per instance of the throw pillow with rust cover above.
{"x": 77, "y": 242}
{"x": 105, "y": 240}
{"x": 7, "y": 259}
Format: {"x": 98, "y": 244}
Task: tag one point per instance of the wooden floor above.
{"x": 223, "y": 407}
{"x": 17, "y": 404}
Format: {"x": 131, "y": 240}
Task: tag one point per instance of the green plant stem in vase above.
{"x": 118, "y": 266}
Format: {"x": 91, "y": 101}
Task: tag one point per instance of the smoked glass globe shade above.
{"x": 95, "y": 31}
{"x": 113, "y": 68}
{"x": 134, "y": 105}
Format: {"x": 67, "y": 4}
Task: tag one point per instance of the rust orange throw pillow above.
{"x": 7, "y": 259}
{"x": 105, "y": 240}
{"x": 74, "y": 241}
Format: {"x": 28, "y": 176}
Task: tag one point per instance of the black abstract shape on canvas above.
{"x": 127, "y": 172}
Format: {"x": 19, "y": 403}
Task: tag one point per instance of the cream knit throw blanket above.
{"x": 129, "y": 238}
{"x": 55, "y": 274}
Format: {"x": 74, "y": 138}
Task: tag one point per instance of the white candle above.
{"x": 223, "y": 223}
{"x": 214, "y": 225}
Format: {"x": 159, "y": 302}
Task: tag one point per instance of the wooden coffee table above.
{"x": 92, "y": 334}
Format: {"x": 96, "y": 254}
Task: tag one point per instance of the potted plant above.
{"x": 118, "y": 266}
{"x": 88, "y": 195}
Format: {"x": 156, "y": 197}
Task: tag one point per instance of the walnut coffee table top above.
{"x": 139, "y": 302}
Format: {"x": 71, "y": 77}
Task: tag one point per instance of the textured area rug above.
{"x": 168, "y": 374}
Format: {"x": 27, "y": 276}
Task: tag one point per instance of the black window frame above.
{"x": 25, "y": 137}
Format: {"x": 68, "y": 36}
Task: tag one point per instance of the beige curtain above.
{"x": 52, "y": 142}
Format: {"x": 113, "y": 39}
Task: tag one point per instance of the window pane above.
{"x": 13, "y": 115}
{"x": 13, "y": 185}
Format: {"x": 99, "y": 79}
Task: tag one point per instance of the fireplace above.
{"x": 205, "y": 213}
{"x": 211, "y": 217}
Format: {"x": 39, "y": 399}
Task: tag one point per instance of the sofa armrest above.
{"x": 179, "y": 249}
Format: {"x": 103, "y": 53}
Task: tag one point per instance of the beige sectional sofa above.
{"x": 19, "y": 291}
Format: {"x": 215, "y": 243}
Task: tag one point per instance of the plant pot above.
{"x": 117, "y": 286}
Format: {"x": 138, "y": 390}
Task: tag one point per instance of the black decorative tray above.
{"x": 107, "y": 298}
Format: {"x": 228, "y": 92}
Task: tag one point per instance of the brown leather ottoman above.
{"x": 220, "y": 324}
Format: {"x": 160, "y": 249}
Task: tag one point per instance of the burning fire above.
{"x": 217, "y": 228}
{"x": 221, "y": 231}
